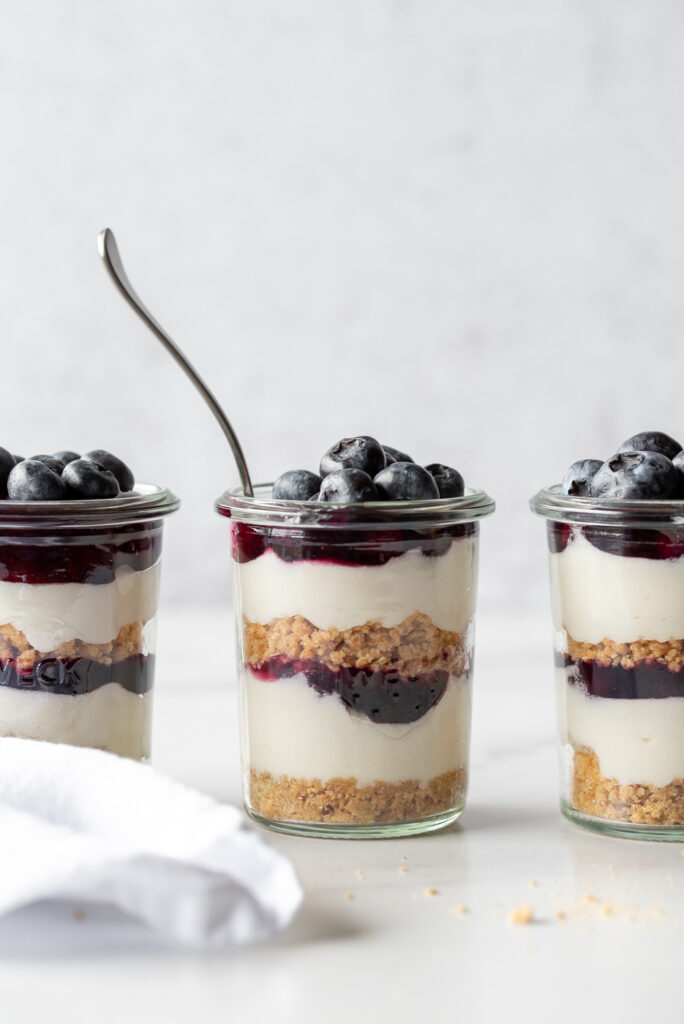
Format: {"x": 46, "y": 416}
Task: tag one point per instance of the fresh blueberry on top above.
{"x": 34, "y": 481}
{"x": 86, "y": 479}
{"x": 652, "y": 441}
{"x": 678, "y": 463}
{"x": 394, "y": 455}
{"x": 347, "y": 485}
{"x": 51, "y": 461}
{"x": 577, "y": 480}
{"x": 7, "y": 464}
{"x": 406, "y": 481}
{"x": 449, "y": 481}
{"x": 354, "y": 453}
{"x": 636, "y": 475}
{"x": 105, "y": 460}
{"x": 66, "y": 457}
{"x": 296, "y": 485}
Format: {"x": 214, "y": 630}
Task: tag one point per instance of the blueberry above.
{"x": 86, "y": 479}
{"x": 105, "y": 460}
{"x": 577, "y": 479}
{"x": 678, "y": 463}
{"x": 51, "y": 461}
{"x": 394, "y": 455}
{"x": 7, "y": 464}
{"x": 449, "y": 481}
{"x": 34, "y": 481}
{"x": 347, "y": 485}
{"x": 652, "y": 441}
{"x": 406, "y": 481}
{"x": 636, "y": 475}
{"x": 66, "y": 457}
{"x": 354, "y": 453}
{"x": 296, "y": 485}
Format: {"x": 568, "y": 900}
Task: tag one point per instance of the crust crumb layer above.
{"x": 594, "y": 794}
{"x": 413, "y": 647}
{"x": 14, "y": 645}
{"x": 608, "y": 652}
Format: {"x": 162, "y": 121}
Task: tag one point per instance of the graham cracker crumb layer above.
{"x": 607, "y": 652}
{"x": 342, "y": 801}
{"x": 13, "y": 644}
{"x": 413, "y": 647}
{"x": 594, "y": 794}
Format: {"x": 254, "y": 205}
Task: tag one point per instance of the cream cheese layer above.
{"x": 597, "y": 595}
{"x": 290, "y": 730}
{"x": 333, "y": 596}
{"x": 50, "y": 614}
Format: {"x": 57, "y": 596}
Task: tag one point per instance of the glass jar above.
{"x": 79, "y": 586}
{"x": 355, "y": 648}
{"x": 617, "y": 599}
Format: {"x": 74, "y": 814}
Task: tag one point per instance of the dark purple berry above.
{"x": 678, "y": 463}
{"x": 105, "y": 460}
{"x": 66, "y": 457}
{"x": 7, "y": 464}
{"x": 449, "y": 481}
{"x": 577, "y": 479}
{"x": 347, "y": 485}
{"x": 296, "y": 485}
{"x": 51, "y": 461}
{"x": 652, "y": 441}
{"x": 636, "y": 475}
{"x": 354, "y": 453}
{"x": 34, "y": 481}
{"x": 86, "y": 479}
{"x": 394, "y": 455}
{"x": 406, "y": 481}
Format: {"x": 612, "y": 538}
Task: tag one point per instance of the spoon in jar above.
{"x": 108, "y": 250}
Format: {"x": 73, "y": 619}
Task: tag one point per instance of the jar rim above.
{"x": 550, "y": 503}
{"x": 262, "y": 510}
{"x": 147, "y": 502}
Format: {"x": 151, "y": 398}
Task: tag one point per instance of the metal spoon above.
{"x": 107, "y": 247}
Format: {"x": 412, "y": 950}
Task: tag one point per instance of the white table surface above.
{"x": 370, "y": 941}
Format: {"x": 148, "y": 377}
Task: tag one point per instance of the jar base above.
{"x": 381, "y": 830}
{"x": 623, "y": 829}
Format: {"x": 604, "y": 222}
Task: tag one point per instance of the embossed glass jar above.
{"x": 617, "y": 598}
{"x": 79, "y": 583}
{"x": 355, "y": 644}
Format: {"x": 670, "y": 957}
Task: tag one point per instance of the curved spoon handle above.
{"x": 107, "y": 247}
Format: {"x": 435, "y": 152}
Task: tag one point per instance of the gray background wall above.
{"x": 457, "y": 226}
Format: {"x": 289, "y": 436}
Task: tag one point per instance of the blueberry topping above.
{"x": 66, "y": 457}
{"x": 652, "y": 441}
{"x": 406, "y": 481}
{"x": 51, "y": 461}
{"x": 449, "y": 481}
{"x": 394, "y": 455}
{"x": 107, "y": 461}
{"x": 34, "y": 481}
{"x": 7, "y": 463}
{"x": 296, "y": 485}
{"x": 636, "y": 475}
{"x": 577, "y": 480}
{"x": 86, "y": 479}
{"x": 347, "y": 485}
{"x": 363, "y": 453}
{"x": 678, "y": 463}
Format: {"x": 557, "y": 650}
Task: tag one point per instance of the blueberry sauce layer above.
{"x": 628, "y": 542}
{"x": 93, "y": 558}
{"x": 382, "y": 696}
{"x": 342, "y": 547}
{"x": 76, "y": 676}
{"x": 646, "y": 679}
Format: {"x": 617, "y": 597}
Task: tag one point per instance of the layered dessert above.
{"x": 617, "y": 589}
{"x": 356, "y": 644}
{"x": 79, "y": 584}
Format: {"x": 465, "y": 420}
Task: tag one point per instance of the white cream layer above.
{"x": 50, "y": 614}
{"x": 636, "y": 741}
{"x": 110, "y": 718}
{"x": 596, "y": 595}
{"x": 335, "y": 596}
{"x": 288, "y": 729}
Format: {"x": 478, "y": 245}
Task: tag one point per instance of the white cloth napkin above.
{"x": 83, "y": 824}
